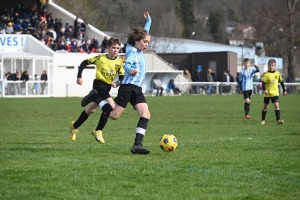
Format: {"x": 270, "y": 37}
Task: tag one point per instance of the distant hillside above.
{"x": 167, "y": 15}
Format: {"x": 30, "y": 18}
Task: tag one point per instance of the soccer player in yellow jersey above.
{"x": 270, "y": 80}
{"x": 107, "y": 67}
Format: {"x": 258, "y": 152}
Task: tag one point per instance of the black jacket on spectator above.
{"x": 44, "y": 77}
{"x": 25, "y": 77}
{"x": 14, "y": 77}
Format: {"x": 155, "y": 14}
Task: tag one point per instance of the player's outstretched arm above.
{"x": 148, "y": 21}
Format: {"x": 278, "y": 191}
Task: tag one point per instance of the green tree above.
{"x": 186, "y": 13}
{"x": 215, "y": 25}
{"x": 277, "y": 24}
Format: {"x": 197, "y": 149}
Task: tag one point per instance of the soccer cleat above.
{"x": 262, "y": 122}
{"x": 279, "y": 122}
{"x": 247, "y": 117}
{"x": 73, "y": 131}
{"x": 139, "y": 149}
{"x": 88, "y": 98}
{"x": 98, "y": 136}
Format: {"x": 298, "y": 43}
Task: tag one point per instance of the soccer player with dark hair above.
{"x": 107, "y": 67}
{"x": 130, "y": 88}
{"x": 270, "y": 80}
{"x": 246, "y": 84}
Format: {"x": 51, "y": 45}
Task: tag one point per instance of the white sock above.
{"x": 140, "y": 130}
{"x": 102, "y": 103}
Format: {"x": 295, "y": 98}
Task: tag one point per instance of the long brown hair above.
{"x": 137, "y": 34}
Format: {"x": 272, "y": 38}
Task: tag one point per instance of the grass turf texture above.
{"x": 220, "y": 154}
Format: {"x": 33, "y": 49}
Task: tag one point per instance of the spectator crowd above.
{"x": 51, "y": 31}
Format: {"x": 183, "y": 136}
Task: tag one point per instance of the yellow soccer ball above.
{"x": 168, "y": 142}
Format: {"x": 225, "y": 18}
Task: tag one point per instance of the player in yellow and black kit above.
{"x": 270, "y": 80}
{"x": 107, "y": 67}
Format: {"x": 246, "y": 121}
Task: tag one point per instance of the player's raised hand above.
{"x": 146, "y": 14}
{"x": 79, "y": 81}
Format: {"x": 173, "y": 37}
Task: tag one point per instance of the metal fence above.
{"x": 33, "y": 65}
{"x": 26, "y": 89}
{"x": 219, "y": 88}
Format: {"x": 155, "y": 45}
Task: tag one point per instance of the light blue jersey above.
{"x": 246, "y": 82}
{"x": 135, "y": 59}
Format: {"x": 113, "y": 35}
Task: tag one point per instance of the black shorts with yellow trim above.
{"x": 130, "y": 93}
{"x": 102, "y": 88}
{"x": 273, "y": 99}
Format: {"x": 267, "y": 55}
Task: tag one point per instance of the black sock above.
{"x": 83, "y": 116}
{"x": 277, "y": 114}
{"x": 142, "y": 124}
{"x": 263, "y": 115}
{"x": 102, "y": 121}
{"x": 247, "y": 108}
{"x": 107, "y": 108}
{"x": 138, "y": 139}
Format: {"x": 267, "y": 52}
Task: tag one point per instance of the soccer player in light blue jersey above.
{"x": 130, "y": 87}
{"x": 246, "y": 84}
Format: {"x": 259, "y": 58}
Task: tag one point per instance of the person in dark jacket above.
{"x": 172, "y": 86}
{"x": 104, "y": 44}
{"x": 24, "y": 78}
{"x": 223, "y": 80}
{"x": 44, "y": 78}
{"x": 14, "y": 88}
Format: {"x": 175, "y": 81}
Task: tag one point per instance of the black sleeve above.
{"x": 282, "y": 85}
{"x": 121, "y": 77}
{"x": 81, "y": 67}
{"x": 263, "y": 85}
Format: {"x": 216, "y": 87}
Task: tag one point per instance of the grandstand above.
{"x": 20, "y": 52}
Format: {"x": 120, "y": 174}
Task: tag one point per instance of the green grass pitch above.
{"x": 220, "y": 155}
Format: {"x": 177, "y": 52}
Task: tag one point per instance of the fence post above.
{"x": 67, "y": 89}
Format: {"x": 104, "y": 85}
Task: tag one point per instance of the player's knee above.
{"x": 114, "y": 116}
{"x": 88, "y": 112}
{"x": 148, "y": 115}
{"x": 145, "y": 115}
